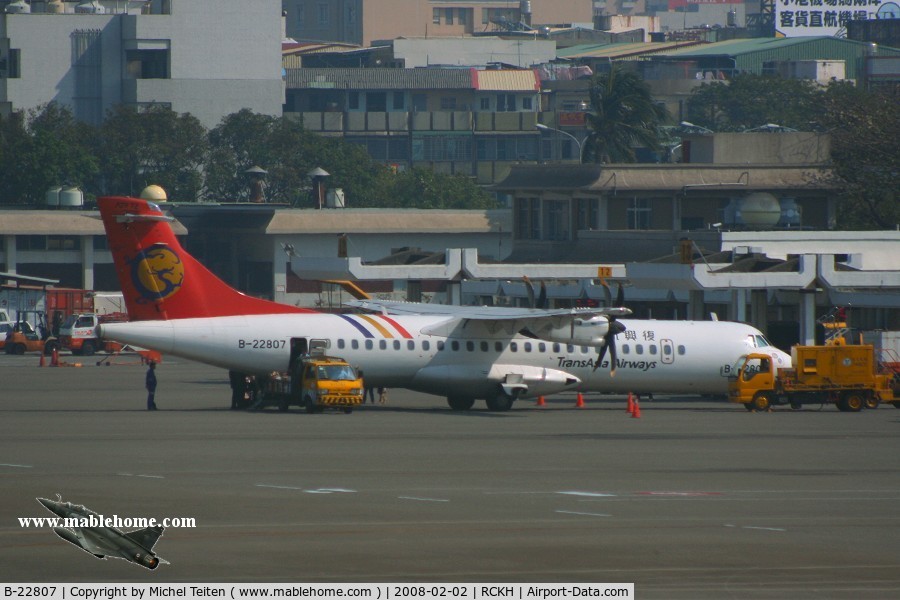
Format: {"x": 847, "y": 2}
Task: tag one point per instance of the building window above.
{"x": 556, "y": 222}
{"x": 528, "y": 222}
{"x": 376, "y": 102}
{"x": 323, "y": 15}
{"x": 448, "y": 15}
{"x": 301, "y": 21}
{"x": 351, "y": 14}
{"x": 638, "y": 214}
{"x": 485, "y": 104}
{"x": 463, "y": 15}
{"x": 448, "y": 103}
{"x": 353, "y": 101}
{"x": 587, "y": 213}
{"x": 527, "y": 103}
{"x": 147, "y": 64}
{"x": 399, "y": 101}
{"x": 506, "y": 103}
{"x": 10, "y": 66}
{"x": 436, "y": 16}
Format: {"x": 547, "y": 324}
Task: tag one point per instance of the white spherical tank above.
{"x": 71, "y": 197}
{"x": 760, "y": 210}
{"x": 154, "y": 193}
{"x": 52, "y": 197}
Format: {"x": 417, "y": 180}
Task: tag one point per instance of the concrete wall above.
{"x": 759, "y": 148}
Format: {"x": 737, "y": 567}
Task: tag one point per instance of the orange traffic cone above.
{"x": 579, "y": 403}
{"x": 540, "y": 401}
{"x": 41, "y": 362}
{"x": 637, "y": 410}
{"x": 630, "y": 409}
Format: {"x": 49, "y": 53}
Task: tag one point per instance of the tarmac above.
{"x": 698, "y": 498}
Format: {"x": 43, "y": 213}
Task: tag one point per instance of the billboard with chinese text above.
{"x": 797, "y": 18}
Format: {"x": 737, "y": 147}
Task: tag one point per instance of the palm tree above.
{"x": 624, "y": 116}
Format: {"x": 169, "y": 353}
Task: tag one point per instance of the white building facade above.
{"x": 209, "y": 58}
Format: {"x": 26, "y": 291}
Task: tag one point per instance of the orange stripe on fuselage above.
{"x": 381, "y": 328}
{"x": 397, "y": 326}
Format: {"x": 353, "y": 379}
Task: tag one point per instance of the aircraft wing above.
{"x": 96, "y": 544}
{"x": 485, "y": 313}
{"x": 539, "y": 322}
{"x": 146, "y": 537}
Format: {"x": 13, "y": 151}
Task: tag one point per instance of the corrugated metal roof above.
{"x": 379, "y": 79}
{"x": 57, "y": 222}
{"x": 623, "y": 50}
{"x": 373, "y": 220}
{"x": 675, "y": 177}
{"x": 750, "y": 54}
{"x": 507, "y": 80}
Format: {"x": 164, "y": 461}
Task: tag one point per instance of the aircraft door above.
{"x": 667, "y": 349}
{"x": 299, "y": 347}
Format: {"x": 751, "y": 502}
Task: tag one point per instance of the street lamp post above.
{"x": 542, "y": 127}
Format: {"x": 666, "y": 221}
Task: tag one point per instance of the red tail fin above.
{"x": 159, "y": 279}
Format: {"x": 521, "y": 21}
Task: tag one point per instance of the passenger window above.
{"x": 570, "y": 348}
{"x": 667, "y": 349}
{"x": 513, "y": 347}
{"x": 382, "y": 344}
{"x": 484, "y": 346}
{"x": 681, "y": 350}
{"x": 639, "y": 348}
{"x": 341, "y": 344}
{"x": 556, "y": 347}
{"x": 470, "y": 346}
{"x": 652, "y": 349}
{"x": 542, "y": 347}
{"x": 396, "y": 344}
{"x": 498, "y": 346}
{"x": 369, "y": 345}
{"x": 527, "y": 346}
{"x": 354, "y": 344}
{"x": 626, "y": 349}
{"x": 440, "y": 346}
{"x": 584, "y": 349}
{"x": 454, "y": 345}
{"x": 426, "y": 345}
{"x": 410, "y": 345}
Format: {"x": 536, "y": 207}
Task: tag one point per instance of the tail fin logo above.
{"x": 157, "y": 272}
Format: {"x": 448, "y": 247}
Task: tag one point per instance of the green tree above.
{"x": 41, "y": 149}
{"x": 155, "y": 146}
{"x": 749, "y": 101}
{"x": 423, "y": 188}
{"x": 865, "y": 147}
{"x": 623, "y": 115}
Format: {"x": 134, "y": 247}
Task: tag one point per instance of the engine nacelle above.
{"x": 581, "y": 332}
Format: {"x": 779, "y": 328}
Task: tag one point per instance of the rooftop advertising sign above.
{"x": 798, "y": 18}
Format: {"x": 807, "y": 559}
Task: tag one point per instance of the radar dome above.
{"x": 760, "y": 209}
{"x": 154, "y": 193}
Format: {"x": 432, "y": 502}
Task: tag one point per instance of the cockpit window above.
{"x": 762, "y": 342}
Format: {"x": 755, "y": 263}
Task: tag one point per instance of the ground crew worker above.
{"x": 151, "y": 386}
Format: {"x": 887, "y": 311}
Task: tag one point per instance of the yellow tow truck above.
{"x": 315, "y": 382}
{"x": 846, "y": 375}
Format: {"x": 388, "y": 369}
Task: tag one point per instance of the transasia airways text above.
{"x": 621, "y": 363}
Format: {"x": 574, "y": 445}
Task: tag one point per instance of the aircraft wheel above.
{"x": 500, "y": 403}
{"x": 460, "y": 402}
{"x": 761, "y": 402}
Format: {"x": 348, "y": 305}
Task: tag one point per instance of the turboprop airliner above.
{"x": 176, "y": 306}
